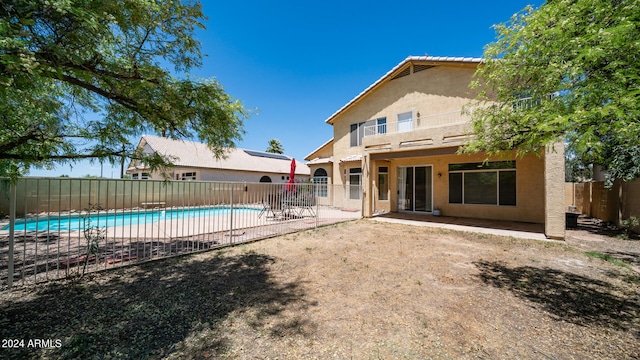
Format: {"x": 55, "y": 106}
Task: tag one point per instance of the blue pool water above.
{"x": 78, "y": 222}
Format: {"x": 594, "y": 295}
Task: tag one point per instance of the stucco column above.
{"x": 367, "y": 186}
{"x": 554, "y": 223}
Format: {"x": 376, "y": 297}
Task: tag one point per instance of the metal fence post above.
{"x": 231, "y": 217}
{"x": 12, "y": 231}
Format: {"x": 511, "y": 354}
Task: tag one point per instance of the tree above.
{"x": 275, "y": 147}
{"x": 571, "y": 70}
{"x": 80, "y": 78}
{"x": 575, "y": 170}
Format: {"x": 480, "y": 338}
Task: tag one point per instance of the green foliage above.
{"x": 605, "y": 257}
{"x": 79, "y": 78}
{"x": 576, "y": 62}
{"x": 628, "y": 225}
{"x": 575, "y": 169}
{"x": 275, "y": 147}
{"x": 93, "y": 236}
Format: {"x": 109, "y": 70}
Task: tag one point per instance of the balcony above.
{"x": 422, "y": 122}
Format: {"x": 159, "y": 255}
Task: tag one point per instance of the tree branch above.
{"x": 23, "y": 157}
{"x": 32, "y": 134}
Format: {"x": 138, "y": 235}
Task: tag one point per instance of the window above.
{"x": 265, "y": 179}
{"x": 188, "y": 176}
{"x": 375, "y": 127}
{"x": 405, "y": 121}
{"x": 320, "y": 179}
{"x": 355, "y": 182}
{"x": 381, "y": 125}
{"x": 140, "y": 176}
{"x": 383, "y": 183}
{"x": 492, "y": 183}
{"x": 357, "y": 131}
{"x": 367, "y": 128}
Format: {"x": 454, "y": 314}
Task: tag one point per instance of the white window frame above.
{"x": 140, "y": 176}
{"x": 355, "y": 173}
{"x": 359, "y": 131}
{"x": 405, "y": 121}
{"x": 321, "y": 184}
{"x": 188, "y": 176}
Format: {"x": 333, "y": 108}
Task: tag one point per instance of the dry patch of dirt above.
{"x": 359, "y": 290}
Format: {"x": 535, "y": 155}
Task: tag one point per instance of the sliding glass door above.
{"x": 415, "y": 188}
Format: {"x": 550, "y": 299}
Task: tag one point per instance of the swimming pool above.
{"x": 127, "y": 218}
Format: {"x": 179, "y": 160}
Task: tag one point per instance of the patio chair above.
{"x": 308, "y": 205}
{"x": 272, "y": 205}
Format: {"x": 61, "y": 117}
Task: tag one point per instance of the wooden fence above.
{"x": 613, "y": 205}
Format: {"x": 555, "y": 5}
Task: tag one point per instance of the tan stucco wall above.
{"x": 578, "y": 195}
{"x": 529, "y": 187}
{"x": 555, "y": 221}
{"x": 436, "y": 90}
{"x": 323, "y": 152}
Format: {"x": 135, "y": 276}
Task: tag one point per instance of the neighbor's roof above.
{"x": 422, "y": 60}
{"x": 198, "y": 155}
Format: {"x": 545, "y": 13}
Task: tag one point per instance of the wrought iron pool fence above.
{"x": 60, "y": 227}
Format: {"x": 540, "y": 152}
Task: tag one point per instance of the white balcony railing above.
{"x": 423, "y": 122}
{"x": 371, "y": 130}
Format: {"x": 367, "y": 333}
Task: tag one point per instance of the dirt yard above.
{"x": 357, "y": 290}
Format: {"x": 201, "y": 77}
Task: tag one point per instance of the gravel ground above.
{"x": 361, "y": 290}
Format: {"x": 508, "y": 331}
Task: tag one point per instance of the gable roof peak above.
{"x": 430, "y": 60}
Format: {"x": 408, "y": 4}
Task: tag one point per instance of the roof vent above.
{"x": 402, "y": 73}
{"x": 417, "y": 68}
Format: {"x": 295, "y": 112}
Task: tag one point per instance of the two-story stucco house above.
{"x": 395, "y": 149}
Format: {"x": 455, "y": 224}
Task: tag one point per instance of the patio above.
{"x": 514, "y": 229}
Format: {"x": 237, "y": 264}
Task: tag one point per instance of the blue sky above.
{"x": 294, "y": 63}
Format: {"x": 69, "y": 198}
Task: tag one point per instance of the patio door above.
{"x": 415, "y": 188}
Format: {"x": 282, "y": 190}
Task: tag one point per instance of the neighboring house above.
{"x": 395, "y": 145}
{"x": 194, "y": 161}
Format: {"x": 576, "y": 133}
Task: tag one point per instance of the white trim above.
{"x": 414, "y": 186}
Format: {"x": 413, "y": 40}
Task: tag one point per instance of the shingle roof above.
{"x": 435, "y": 60}
{"x": 198, "y": 155}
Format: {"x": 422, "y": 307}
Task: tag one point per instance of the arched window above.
{"x": 265, "y": 179}
{"x": 320, "y": 179}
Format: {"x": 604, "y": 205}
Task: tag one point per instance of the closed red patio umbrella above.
{"x": 292, "y": 174}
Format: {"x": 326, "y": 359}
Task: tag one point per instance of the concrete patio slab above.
{"x": 494, "y": 227}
